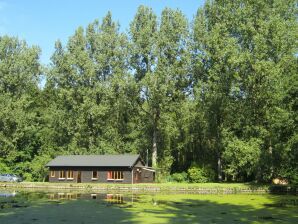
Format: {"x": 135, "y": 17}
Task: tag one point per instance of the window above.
{"x": 62, "y": 174}
{"x": 94, "y": 175}
{"x": 115, "y": 175}
{"x": 70, "y": 174}
{"x": 52, "y": 173}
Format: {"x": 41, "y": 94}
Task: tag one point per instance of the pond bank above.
{"x": 208, "y": 188}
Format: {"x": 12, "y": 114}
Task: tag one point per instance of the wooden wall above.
{"x": 86, "y": 174}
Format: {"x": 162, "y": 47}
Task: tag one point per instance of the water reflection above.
{"x": 107, "y": 198}
{"x": 64, "y": 196}
{"x": 98, "y": 207}
{"x": 8, "y": 194}
{"x": 115, "y": 199}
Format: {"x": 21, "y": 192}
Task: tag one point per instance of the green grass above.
{"x": 201, "y": 188}
{"x": 150, "y": 185}
{"x": 158, "y": 208}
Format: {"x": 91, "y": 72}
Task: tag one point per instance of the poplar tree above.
{"x": 19, "y": 109}
{"x": 241, "y": 50}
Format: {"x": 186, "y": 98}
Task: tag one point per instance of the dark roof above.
{"x": 95, "y": 160}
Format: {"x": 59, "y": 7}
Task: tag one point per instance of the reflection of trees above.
{"x": 94, "y": 208}
{"x": 204, "y": 211}
{"x": 59, "y": 208}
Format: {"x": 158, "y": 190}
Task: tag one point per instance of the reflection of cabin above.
{"x": 100, "y": 169}
{"x": 115, "y": 199}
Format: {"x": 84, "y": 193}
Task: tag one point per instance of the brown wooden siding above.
{"x": 86, "y": 174}
{"x": 143, "y": 176}
{"x": 139, "y": 175}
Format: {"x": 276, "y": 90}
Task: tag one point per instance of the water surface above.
{"x": 93, "y": 207}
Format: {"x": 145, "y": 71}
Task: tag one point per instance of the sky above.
{"x": 41, "y": 22}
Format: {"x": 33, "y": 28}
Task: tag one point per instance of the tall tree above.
{"x": 241, "y": 71}
{"x": 171, "y": 84}
{"x": 19, "y": 113}
{"x": 160, "y": 59}
{"x": 96, "y": 93}
{"x": 143, "y": 33}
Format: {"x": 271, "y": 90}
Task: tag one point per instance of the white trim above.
{"x": 94, "y": 178}
{"x": 64, "y": 174}
{"x": 148, "y": 169}
{"x": 52, "y": 172}
{"x": 67, "y": 174}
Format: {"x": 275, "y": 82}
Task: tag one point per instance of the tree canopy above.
{"x": 219, "y": 93}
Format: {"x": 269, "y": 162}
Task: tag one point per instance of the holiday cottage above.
{"x": 100, "y": 169}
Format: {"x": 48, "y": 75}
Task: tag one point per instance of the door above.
{"x": 79, "y": 177}
{"x": 137, "y": 176}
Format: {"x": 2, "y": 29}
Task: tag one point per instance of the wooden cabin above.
{"x": 100, "y": 169}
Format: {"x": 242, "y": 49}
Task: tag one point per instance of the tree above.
{"x": 160, "y": 60}
{"x": 19, "y": 107}
{"x": 143, "y": 33}
{"x": 241, "y": 72}
{"x": 93, "y": 91}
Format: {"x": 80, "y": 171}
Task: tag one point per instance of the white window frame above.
{"x": 61, "y": 178}
{"x": 92, "y": 178}
{"x": 67, "y": 173}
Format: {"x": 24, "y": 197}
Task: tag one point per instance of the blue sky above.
{"x": 42, "y": 22}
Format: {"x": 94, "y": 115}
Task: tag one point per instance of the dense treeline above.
{"x": 218, "y": 93}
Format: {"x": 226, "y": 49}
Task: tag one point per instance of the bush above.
{"x": 289, "y": 174}
{"x": 179, "y": 177}
{"x": 242, "y": 157}
{"x": 3, "y": 167}
{"x": 200, "y": 174}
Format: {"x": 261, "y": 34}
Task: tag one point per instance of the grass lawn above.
{"x": 143, "y": 185}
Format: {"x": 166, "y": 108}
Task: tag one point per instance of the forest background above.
{"x": 211, "y": 99}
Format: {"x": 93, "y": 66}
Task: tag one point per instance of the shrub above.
{"x": 3, "y": 167}
{"x": 289, "y": 174}
{"x": 241, "y": 157}
{"x": 200, "y": 174}
{"x": 179, "y": 177}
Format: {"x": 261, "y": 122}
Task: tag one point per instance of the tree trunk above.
{"x": 218, "y": 149}
{"x": 154, "y": 148}
{"x": 154, "y": 140}
{"x": 219, "y": 167}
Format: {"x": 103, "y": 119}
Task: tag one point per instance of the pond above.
{"x": 79, "y": 208}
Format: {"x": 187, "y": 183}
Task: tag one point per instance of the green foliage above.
{"x": 38, "y": 170}
{"x": 200, "y": 174}
{"x": 3, "y": 167}
{"x": 179, "y": 177}
{"x": 242, "y": 158}
{"x": 242, "y": 65}
{"x": 222, "y": 95}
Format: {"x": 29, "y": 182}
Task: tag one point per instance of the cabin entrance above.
{"x": 79, "y": 177}
{"x": 137, "y": 176}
